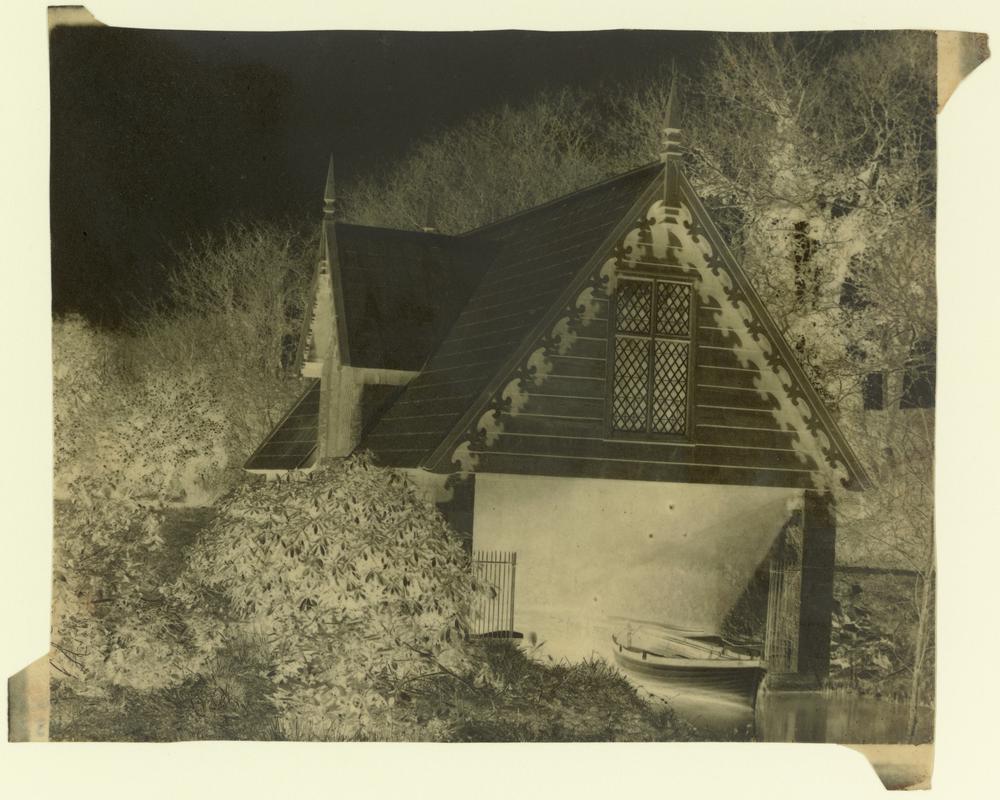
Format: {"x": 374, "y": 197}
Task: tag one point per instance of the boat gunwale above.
{"x": 682, "y": 662}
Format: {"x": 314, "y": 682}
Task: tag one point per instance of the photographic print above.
{"x": 496, "y": 386}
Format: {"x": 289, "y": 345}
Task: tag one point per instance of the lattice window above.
{"x": 673, "y": 309}
{"x": 670, "y": 379}
{"x": 652, "y": 348}
{"x": 634, "y": 306}
{"x": 631, "y": 400}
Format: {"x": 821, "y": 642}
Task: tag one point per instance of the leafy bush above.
{"x": 81, "y": 373}
{"x": 229, "y": 699}
{"x": 872, "y": 638}
{"x": 138, "y": 430}
{"x": 159, "y": 416}
{"x": 115, "y": 624}
{"x": 325, "y": 607}
{"x": 235, "y": 308}
{"x": 356, "y": 582}
{"x": 172, "y": 407}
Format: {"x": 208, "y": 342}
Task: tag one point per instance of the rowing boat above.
{"x": 701, "y": 662}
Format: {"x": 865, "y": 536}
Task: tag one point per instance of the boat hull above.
{"x": 735, "y": 678}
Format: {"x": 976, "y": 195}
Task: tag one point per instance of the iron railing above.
{"x": 781, "y": 644}
{"x": 493, "y": 609}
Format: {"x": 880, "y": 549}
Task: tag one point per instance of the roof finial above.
{"x": 671, "y": 154}
{"x": 330, "y": 194}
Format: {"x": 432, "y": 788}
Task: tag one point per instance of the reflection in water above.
{"x": 778, "y": 717}
{"x": 794, "y": 716}
{"x": 717, "y": 716}
{"x": 836, "y": 717}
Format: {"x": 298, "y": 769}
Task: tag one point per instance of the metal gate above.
{"x": 493, "y": 610}
{"x": 781, "y": 636}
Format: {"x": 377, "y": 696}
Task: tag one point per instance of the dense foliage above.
{"x": 232, "y": 319}
{"x": 492, "y": 165}
{"x": 160, "y": 416}
{"x": 528, "y": 701}
{"x": 873, "y": 636}
{"x": 171, "y": 408}
{"x": 115, "y": 623}
{"x": 140, "y": 430}
{"x": 356, "y": 583}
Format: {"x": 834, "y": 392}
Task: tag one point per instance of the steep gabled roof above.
{"x": 401, "y": 292}
{"x": 537, "y": 255}
{"x": 501, "y": 369}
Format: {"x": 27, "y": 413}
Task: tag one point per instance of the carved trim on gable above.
{"x": 775, "y": 377}
{"x": 671, "y": 238}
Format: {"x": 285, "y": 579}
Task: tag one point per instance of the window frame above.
{"x": 919, "y": 385}
{"x": 873, "y": 391}
{"x": 649, "y": 436}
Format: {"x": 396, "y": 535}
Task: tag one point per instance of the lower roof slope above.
{"x": 292, "y": 443}
{"x": 538, "y": 253}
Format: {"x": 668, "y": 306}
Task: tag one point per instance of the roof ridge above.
{"x": 619, "y": 176}
{"x": 404, "y": 231}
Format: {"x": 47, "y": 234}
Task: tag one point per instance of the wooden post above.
{"x": 819, "y": 537}
{"x": 800, "y": 597}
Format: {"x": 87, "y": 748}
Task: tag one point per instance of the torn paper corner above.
{"x": 904, "y": 767}
{"x": 76, "y": 16}
{"x": 28, "y": 703}
{"x": 958, "y": 54}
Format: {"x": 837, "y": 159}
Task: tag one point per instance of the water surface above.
{"x": 786, "y": 716}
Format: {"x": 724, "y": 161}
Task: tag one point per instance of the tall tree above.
{"x": 821, "y": 161}
{"x": 494, "y": 164}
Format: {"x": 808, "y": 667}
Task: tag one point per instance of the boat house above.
{"x": 594, "y": 385}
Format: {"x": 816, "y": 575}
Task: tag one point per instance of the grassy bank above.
{"x": 233, "y": 698}
{"x": 533, "y": 702}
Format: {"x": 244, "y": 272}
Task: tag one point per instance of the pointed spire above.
{"x": 322, "y": 260}
{"x": 671, "y": 154}
{"x": 330, "y": 194}
{"x": 671, "y": 131}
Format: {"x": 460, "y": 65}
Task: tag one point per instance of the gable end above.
{"x": 751, "y": 418}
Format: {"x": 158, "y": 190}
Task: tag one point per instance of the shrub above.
{"x": 162, "y": 415}
{"x": 138, "y": 430}
{"x": 357, "y": 584}
{"x": 236, "y": 301}
{"x": 81, "y": 375}
{"x": 229, "y": 699}
{"x": 114, "y": 623}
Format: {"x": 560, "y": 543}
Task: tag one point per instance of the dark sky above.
{"x": 158, "y": 136}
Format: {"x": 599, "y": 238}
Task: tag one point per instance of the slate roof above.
{"x": 528, "y": 260}
{"x": 402, "y": 290}
{"x": 292, "y": 443}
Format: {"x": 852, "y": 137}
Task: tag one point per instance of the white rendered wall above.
{"x": 589, "y": 551}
